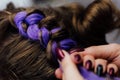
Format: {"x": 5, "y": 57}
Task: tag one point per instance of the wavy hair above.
{"x": 27, "y": 56}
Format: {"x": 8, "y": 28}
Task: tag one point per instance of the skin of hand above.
{"x": 106, "y": 55}
{"x": 68, "y": 69}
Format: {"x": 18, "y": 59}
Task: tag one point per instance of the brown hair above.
{"x": 24, "y": 59}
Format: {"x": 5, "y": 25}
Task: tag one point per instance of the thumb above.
{"x": 104, "y": 51}
{"x": 69, "y": 69}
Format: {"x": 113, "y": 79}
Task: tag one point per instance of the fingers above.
{"x": 69, "y": 69}
{"x": 58, "y": 73}
{"x": 76, "y": 58}
{"x": 100, "y": 66}
{"x": 88, "y": 62}
{"x": 112, "y": 69}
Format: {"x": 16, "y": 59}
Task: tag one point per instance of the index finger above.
{"x": 104, "y": 51}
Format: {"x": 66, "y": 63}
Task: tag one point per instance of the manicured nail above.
{"x": 99, "y": 71}
{"x": 111, "y": 72}
{"x": 76, "y": 50}
{"x": 60, "y": 54}
{"x": 77, "y": 57}
{"x": 88, "y": 65}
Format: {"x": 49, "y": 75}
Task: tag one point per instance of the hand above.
{"x": 68, "y": 69}
{"x": 105, "y": 56}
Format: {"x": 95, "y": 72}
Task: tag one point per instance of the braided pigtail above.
{"x": 50, "y": 37}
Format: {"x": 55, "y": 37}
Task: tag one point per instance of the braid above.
{"x": 31, "y": 21}
{"x": 41, "y": 33}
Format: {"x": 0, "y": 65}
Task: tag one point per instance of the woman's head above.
{"x": 29, "y": 37}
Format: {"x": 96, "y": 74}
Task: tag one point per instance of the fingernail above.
{"x": 111, "y": 71}
{"x": 76, "y": 50}
{"x": 88, "y": 65}
{"x": 60, "y": 54}
{"x": 99, "y": 71}
{"x": 77, "y": 57}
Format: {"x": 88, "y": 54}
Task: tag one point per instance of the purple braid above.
{"x": 31, "y": 20}
{"x": 19, "y": 18}
{"x": 43, "y": 34}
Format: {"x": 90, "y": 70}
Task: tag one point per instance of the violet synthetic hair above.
{"x": 31, "y": 21}
{"x": 29, "y": 37}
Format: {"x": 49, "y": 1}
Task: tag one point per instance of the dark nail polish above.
{"x": 77, "y": 57}
{"x": 60, "y": 54}
{"x": 76, "y": 50}
{"x": 99, "y": 71}
{"x": 88, "y": 65}
{"x": 111, "y": 72}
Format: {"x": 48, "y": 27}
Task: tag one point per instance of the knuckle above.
{"x": 114, "y": 45}
{"x": 90, "y": 49}
{"x": 101, "y": 60}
